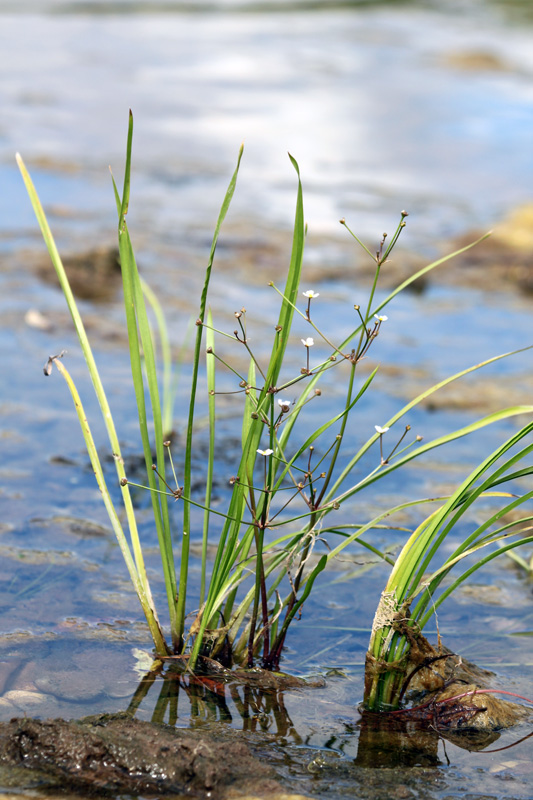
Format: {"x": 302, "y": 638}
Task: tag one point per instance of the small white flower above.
{"x": 265, "y": 452}
{"x": 309, "y": 342}
{"x": 381, "y": 318}
{"x": 310, "y": 294}
{"x": 380, "y": 430}
{"x": 284, "y": 405}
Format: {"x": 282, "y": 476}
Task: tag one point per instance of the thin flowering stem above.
{"x": 307, "y": 318}
{"x": 212, "y": 510}
{"x": 400, "y": 440}
{"x": 235, "y": 391}
{"x": 290, "y": 466}
{"x": 306, "y": 515}
{"x": 307, "y": 343}
{"x": 299, "y": 491}
{"x": 167, "y": 445}
{"x": 287, "y": 488}
{"x": 338, "y": 441}
{"x": 399, "y": 229}
{"x": 365, "y": 248}
{"x": 256, "y": 362}
{"x": 312, "y": 500}
{"x": 371, "y": 334}
{"x": 382, "y": 460}
{"x": 328, "y": 451}
{"x": 310, "y": 294}
{"x": 316, "y": 372}
{"x": 357, "y": 308}
{"x": 265, "y": 454}
{"x": 398, "y": 453}
{"x": 240, "y": 315}
{"x": 365, "y": 334}
{"x": 229, "y": 336}
{"x": 178, "y": 495}
{"x": 289, "y": 302}
{"x": 250, "y": 508}
{"x": 210, "y": 351}
{"x": 175, "y": 492}
{"x": 372, "y": 293}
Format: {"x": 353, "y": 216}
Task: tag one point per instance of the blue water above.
{"x": 368, "y": 100}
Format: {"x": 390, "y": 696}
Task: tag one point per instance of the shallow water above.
{"x": 385, "y": 107}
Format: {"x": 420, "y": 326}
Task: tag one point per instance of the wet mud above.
{"x": 109, "y": 755}
{"x": 119, "y": 754}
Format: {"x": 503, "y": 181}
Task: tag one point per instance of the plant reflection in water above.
{"x": 381, "y": 740}
{"x": 258, "y": 697}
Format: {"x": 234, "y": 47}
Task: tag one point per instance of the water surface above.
{"x": 385, "y": 106}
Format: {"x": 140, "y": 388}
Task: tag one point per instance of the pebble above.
{"x": 23, "y": 699}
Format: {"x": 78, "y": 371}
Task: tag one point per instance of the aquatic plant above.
{"x": 286, "y": 484}
{"x": 411, "y": 597}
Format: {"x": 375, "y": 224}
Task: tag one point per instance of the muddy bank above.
{"x": 119, "y": 754}
{"x": 501, "y": 262}
{"x": 115, "y": 755}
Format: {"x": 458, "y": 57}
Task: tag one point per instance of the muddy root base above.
{"x": 440, "y": 690}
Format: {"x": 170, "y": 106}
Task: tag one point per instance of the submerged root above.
{"x": 461, "y": 706}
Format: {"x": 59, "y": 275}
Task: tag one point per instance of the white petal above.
{"x": 379, "y": 429}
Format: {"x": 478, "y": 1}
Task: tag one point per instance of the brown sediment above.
{"x": 503, "y": 261}
{"x": 119, "y": 754}
{"x": 94, "y": 274}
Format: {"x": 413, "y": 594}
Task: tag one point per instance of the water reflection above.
{"x": 374, "y": 742}
{"x": 256, "y": 703}
{"x": 385, "y": 742}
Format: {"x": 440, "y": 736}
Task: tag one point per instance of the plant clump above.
{"x": 290, "y": 481}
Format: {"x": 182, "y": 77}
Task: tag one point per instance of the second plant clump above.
{"x": 288, "y": 487}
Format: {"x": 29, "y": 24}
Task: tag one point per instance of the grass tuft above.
{"x": 269, "y": 541}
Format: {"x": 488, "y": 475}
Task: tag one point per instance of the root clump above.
{"x": 447, "y": 693}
